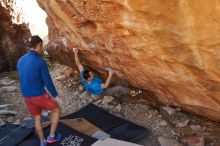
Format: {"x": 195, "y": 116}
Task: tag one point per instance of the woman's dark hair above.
{"x": 86, "y": 74}
{"x": 35, "y": 40}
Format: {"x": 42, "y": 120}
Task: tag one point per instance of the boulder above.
{"x": 169, "y": 48}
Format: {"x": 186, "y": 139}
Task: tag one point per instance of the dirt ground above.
{"x": 130, "y": 108}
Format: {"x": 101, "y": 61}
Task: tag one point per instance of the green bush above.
{"x": 46, "y": 57}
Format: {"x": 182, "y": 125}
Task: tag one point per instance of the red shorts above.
{"x": 36, "y": 104}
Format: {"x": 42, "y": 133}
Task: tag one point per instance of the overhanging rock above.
{"x": 171, "y": 48}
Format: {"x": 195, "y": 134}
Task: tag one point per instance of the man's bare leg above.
{"x": 38, "y": 127}
{"x": 54, "y": 121}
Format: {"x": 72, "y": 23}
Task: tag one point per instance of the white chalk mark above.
{"x": 91, "y": 46}
{"x": 54, "y": 45}
{"x": 63, "y": 40}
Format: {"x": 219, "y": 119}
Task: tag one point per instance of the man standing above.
{"x": 34, "y": 77}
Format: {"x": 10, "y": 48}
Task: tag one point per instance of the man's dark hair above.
{"x": 86, "y": 74}
{"x": 35, "y": 40}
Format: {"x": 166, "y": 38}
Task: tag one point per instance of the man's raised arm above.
{"x": 78, "y": 64}
{"x": 107, "y": 82}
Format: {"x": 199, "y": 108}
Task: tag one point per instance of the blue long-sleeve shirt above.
{"x": 34, "y": 76}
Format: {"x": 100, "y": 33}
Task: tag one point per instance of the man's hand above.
{"x": 110, "y": 71}
{"x": 59, "y": 100}
{"x": 75, "y": 50}
{"x": 78, "y": 64}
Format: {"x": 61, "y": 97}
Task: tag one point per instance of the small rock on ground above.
{"x": 168, "y": 142}
{"x": 194, "y": 141}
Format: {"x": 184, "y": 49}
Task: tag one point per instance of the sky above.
{"x": 34, "y": 15}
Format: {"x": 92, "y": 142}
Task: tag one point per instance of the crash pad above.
{"x": 70, "y": 137}
{"x": 113, "y": 142}
{"x": 117, "y": 127}
{"x": 11, "y": 134}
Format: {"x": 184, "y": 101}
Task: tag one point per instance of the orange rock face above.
{"x": 169, "y": 47}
